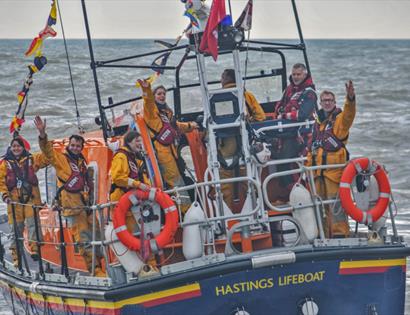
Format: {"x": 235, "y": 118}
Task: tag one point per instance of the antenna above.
{"x": 302, "y": 42}
{"x": 97, "y": 88}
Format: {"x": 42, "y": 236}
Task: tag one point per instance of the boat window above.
{"x": 224, "y": 108}
{"x": 266, "y": 89}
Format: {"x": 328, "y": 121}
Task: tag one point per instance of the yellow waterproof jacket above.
{"x": 73, "y": 203}
{"x": 38, "y": 161}
{"x": 165, "y": 154}
{"x": 120, "y": 172}
{"x": 254, "y": 112}
{"x": 341, "y": 127}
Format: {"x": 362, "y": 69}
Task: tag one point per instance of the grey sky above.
{"x": 163, "y": 18}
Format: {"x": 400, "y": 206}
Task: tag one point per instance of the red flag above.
{"x": 209, "y": 42}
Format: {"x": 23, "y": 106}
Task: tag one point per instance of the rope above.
{"x": 80, "y": 128}
{"x": 246, "y": 59}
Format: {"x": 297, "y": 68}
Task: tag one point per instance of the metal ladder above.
{"x": 212, "y": 126}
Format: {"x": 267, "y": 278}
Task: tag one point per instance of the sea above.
{"x": 379, "y": 69}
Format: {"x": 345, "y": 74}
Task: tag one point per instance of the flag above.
{"x": 52, "y": 18}
{"x": 192, "y": 17}
{"x": 245, "y": 20}
{"x": 160, "y": 61}
{"x": 34, "y": 46}
{"x": 39, "y": 62}
{"x": 209, "y": 42}
{"x": 37, "y": 43}
{"x": 15, "y": 124}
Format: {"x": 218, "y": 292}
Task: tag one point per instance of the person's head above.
{"x": 133, "y": 141}
{"x": 227, "y": 77}
{"x": 75, "y": 144}
{"x": 299, "y": 73}
{"x": 17, "y": 147}
{"x": 160, "y": 94}
{"x": 327, "y": 101}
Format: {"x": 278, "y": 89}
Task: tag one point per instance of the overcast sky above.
{"x": 164, "y": 18}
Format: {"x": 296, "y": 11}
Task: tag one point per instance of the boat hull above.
{"x": 365, "y": 284}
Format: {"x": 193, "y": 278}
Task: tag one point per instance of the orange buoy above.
{"x": 352, "y": 169}
{"x": 167, "y": 205}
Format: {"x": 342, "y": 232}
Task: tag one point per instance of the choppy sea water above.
{"x": 380, "y": 70}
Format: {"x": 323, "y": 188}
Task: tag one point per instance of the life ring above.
{"x": 131, "y": 198}
{"x": 351, "y": 170}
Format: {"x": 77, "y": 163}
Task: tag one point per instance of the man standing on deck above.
{"x": 298, "y": 104}
{"x": 74, "y": 190}
{"x": 330, "y": 134}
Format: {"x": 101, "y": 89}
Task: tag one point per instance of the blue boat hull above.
{"x": 366, "y": 283}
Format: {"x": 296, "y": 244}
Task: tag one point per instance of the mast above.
{"x": 302, "y": 42}
{"x": 93, "y": 67}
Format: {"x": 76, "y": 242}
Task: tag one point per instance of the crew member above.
{"x": 298, "y": 104}
{"x": 164, "y": 130}
{"x": 74, "y": 192}
{"x": 228, "y": 147}
{"x": 330, "y": 134}
{"x": 19, "y": 184}
{"x": 127, "y": 171}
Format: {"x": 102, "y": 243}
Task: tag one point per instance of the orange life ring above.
{"x": 351, "y": 170}
{"x": 167, "y": 205}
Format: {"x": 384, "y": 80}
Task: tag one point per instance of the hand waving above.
{"x": 143, "y": 83}
{"x": 41, "y": 126}
{"x": 350, "y": 90}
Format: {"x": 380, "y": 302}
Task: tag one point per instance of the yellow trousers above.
{"x": 172, "y": 177}
{"x": 228, "y": 189}
{"x": 81, "y": 229}
{"x": 24, "y": 218}
{"x": 335, "y": 222}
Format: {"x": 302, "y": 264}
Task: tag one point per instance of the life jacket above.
{"x": 22, "y": 177}
{"x": 77, "y": 182}
{"x": 326, "y": 139}
{"x": 294, "y": 96}
{"x": 168, "y": 134}
{"x": 135, "y": 171}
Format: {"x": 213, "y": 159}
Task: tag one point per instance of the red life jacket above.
{"x": 326, "y": 138}
{"x": 168, "y": 134}
{"x": 20, "y": 176}
{"x": 77, "y": 182}
{"x": 135, "y": 171}
{"x": 131, "y": 158}
{"x": 294, "y": 95}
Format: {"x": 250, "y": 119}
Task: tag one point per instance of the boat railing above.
{"x": 281, "y": 126}
{"x": 257, "y": 216}
{"x": 208, "y": 184}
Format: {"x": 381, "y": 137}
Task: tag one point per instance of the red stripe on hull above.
{"x": 68, "y": 308}
{"x": 362, "y": 270}
{"x": 173, "y": 298}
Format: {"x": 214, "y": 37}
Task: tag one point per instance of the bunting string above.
{"x": 38, "y": 64}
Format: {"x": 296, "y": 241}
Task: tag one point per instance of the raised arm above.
{"x": 150, "y": 109}
{"x": 52, "y": 156}
{"x": 40, "y": 161}
{"x": 349, "y": 108}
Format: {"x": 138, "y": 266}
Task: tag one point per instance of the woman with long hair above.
{"x": 19, "y": 189}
